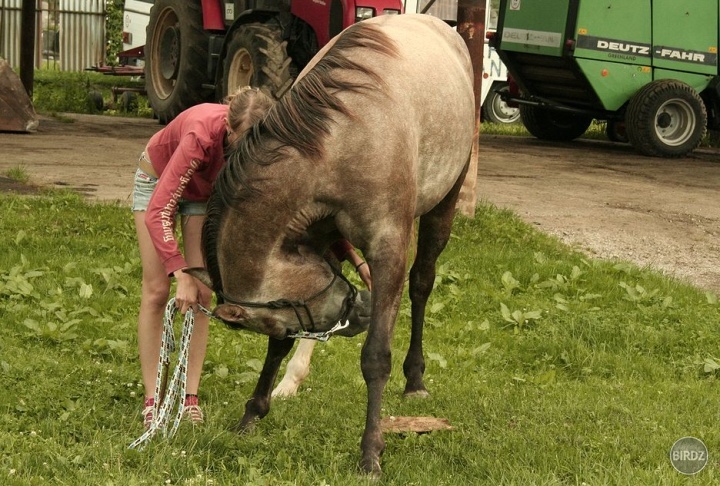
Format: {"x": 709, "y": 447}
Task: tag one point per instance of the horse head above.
{"x": 282, "y": 308}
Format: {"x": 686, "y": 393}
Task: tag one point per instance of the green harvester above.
{"x": 649, "y": 68}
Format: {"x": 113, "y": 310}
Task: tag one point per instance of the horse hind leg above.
{"x": 433, "y": 235}
{"x": 422, "y": 276}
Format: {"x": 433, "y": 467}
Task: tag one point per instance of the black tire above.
{"x": 257, "y": 56}
{"x": 547, "y": 124}
{"x": 96, "y": 103}
{"x": 666, "y": 118}
{"x": 128, "y": 102}
{"x": 176, "y": 57}
{"x": 616, "y": 131}
{"x": 495, "y": 110}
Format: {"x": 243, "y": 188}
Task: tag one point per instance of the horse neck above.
{"x": 254, "y": 230}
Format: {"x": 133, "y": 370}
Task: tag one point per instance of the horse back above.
{"x": 419, "y": 125}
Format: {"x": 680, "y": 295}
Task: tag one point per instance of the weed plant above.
{"x": 72, "y": 92}
{"x": 84, "y": 92}
{"x": 554, "y": 369}
{"x": 18, "y": 173}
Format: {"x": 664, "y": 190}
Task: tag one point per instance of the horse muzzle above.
{"x": 360, "y": 315}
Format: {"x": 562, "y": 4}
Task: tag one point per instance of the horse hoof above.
{"x": 371, "y": 469}
{"x": 243, "y": 427}
{"x": 416, "y": 394}
{"x": 285, "y": 390}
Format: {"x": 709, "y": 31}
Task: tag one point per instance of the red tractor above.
{"x": 201, "y": 50}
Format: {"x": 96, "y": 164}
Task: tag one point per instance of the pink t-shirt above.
{"x": 187, "y": 155}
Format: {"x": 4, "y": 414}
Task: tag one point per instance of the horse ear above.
{"x": 200, "y": 274}
{"x": 230, "y": 313}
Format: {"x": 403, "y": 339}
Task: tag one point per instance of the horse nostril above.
{"x": 235, "y": 326}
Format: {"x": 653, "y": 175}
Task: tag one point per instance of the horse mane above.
{"x": 300, "y": 120}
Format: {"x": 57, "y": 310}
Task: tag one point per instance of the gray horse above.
{"x": 376, "y": 132}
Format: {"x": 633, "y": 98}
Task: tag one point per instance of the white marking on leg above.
{"x": 298, "y": 368}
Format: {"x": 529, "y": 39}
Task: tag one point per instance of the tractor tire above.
{"x": 495, "y": 110}
{"x": 666, "y": 118}
{"x": 176, "y": 58}
{"x": 257, "y": 56}
{"x": 558, "y": 126}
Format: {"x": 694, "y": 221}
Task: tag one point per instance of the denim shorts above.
{"x": 144, "y": 187}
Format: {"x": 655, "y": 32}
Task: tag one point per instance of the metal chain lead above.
{"x": 164, "y": 403}
{"x": 320, "y": 336}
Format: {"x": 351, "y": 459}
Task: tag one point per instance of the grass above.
{"x": 554, "y": 369}
{"x": 596, "y": 131}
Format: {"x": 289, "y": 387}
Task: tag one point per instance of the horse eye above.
{"x": 292, "y": 250}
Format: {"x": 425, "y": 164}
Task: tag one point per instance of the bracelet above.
{"x": 357, "y": 269}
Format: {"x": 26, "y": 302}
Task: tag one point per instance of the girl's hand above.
{"x": 187, "y": 293}
{"x": 363, "y": 269}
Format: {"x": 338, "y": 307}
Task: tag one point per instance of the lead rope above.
{"x": 164, "y": 403}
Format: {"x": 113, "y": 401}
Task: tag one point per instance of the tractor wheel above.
{"x": 176, "y": 57}
{"x": 256, "y": 56}
{"x": 495, "y": 110}
{"x": 616, "y": 131}
{"x": 547, "y": 124}
{"x": 666, "y": 118}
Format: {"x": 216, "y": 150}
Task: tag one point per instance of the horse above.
{"x": 375, "y": 135}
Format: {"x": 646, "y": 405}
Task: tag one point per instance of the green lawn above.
{"x": 553, "y": 369}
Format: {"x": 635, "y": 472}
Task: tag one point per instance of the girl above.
{"x": 174, "y": 177}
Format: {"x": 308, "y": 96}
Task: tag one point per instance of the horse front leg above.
{"x": 375, "y": 359}
{"x": 297, "y": 370}
{"x": 259, "y": 404}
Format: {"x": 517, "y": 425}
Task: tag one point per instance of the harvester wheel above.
{"x": 176, "y": 56}
{"x": 257, "y": 56}
{"x": 548, "y": 124}
{"x": 666, "y": 118}
{"x": 495, "y": 110}
{"x": 616, "y": 131}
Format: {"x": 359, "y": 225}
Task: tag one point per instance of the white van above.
{"x": 494, "y": 109}
{"x": 136, "y": 16}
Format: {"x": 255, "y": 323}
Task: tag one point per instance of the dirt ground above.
{"x": 600, "y": 197}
